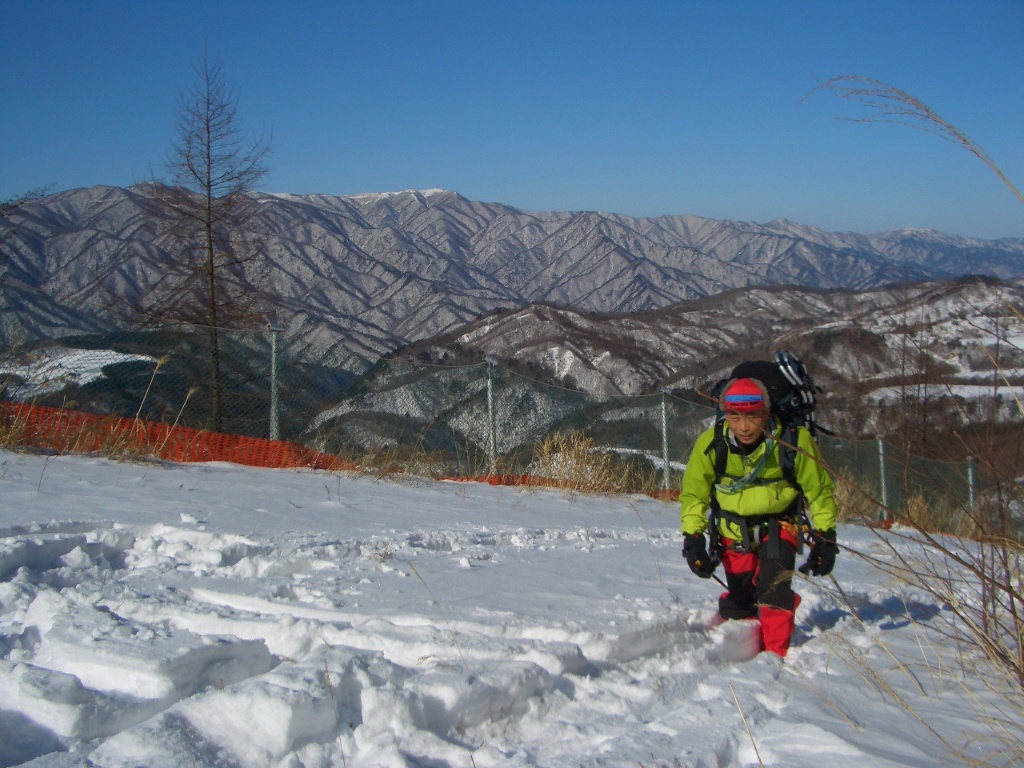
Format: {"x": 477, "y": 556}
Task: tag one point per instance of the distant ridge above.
{"x": 370, "y": 273}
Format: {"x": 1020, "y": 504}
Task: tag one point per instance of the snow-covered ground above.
{"x": 52, "y": 369}
{"x": 214, "y": 615}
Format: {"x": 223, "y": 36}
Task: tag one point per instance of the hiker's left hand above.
{"x": 824, "y": 549}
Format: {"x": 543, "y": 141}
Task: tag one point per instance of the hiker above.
{"x": 757, "y": 498}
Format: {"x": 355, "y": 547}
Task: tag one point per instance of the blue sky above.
{"x": 638, "y": 107}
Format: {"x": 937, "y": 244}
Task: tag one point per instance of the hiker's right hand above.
{"x": 695, "y": 550}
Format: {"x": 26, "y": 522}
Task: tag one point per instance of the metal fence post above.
{"x": 492, "y": 443}
{"x": 275, "y": 394}
{"x": 666, "y": 480}
{"x": 972, "y": 483}
{"x": 883, "y": 513}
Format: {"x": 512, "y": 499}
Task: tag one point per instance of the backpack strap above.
{"x": 721, "y": 456}
{"x": 721, "y": 449}
{"x": 787, "y": 461}
{"x": 787, "y": 454}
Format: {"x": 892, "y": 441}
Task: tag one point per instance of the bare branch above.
{"x": 888, "y": 104}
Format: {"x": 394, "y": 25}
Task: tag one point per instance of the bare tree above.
{"x": 9, "y": 229}
{"x": 208, "y": 210}
{"x": 12, "y": 203}
{"x": 8, "y": 205}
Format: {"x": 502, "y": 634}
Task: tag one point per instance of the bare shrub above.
{"x": 571, "y": 460}
{"x": 977, "y": 576}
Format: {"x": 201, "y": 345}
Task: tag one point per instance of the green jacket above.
{"x": 771, "y": 493}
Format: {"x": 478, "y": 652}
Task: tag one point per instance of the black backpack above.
{"x": 792, "y": 390}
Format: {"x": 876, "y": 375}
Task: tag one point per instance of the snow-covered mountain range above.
{"x": 367, "y": 274}
{"x": 948, "y": 330}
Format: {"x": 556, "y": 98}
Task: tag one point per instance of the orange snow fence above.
{"x": 67, "y": 431}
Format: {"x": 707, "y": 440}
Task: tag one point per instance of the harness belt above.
{"x": 769, "y": 525}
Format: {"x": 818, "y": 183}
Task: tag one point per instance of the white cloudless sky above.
{"x": 640, "y": 107}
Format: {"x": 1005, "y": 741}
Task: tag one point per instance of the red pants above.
{"x": 760, "y": 586}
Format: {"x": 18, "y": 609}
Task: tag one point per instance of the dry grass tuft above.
{"x": 571, "y": 460}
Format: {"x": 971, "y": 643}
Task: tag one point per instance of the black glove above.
{"x": 695, "y": 550}
{"x": 824, "y": 549}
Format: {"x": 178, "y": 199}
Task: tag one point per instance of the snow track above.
{"x": 415, "y": 624}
